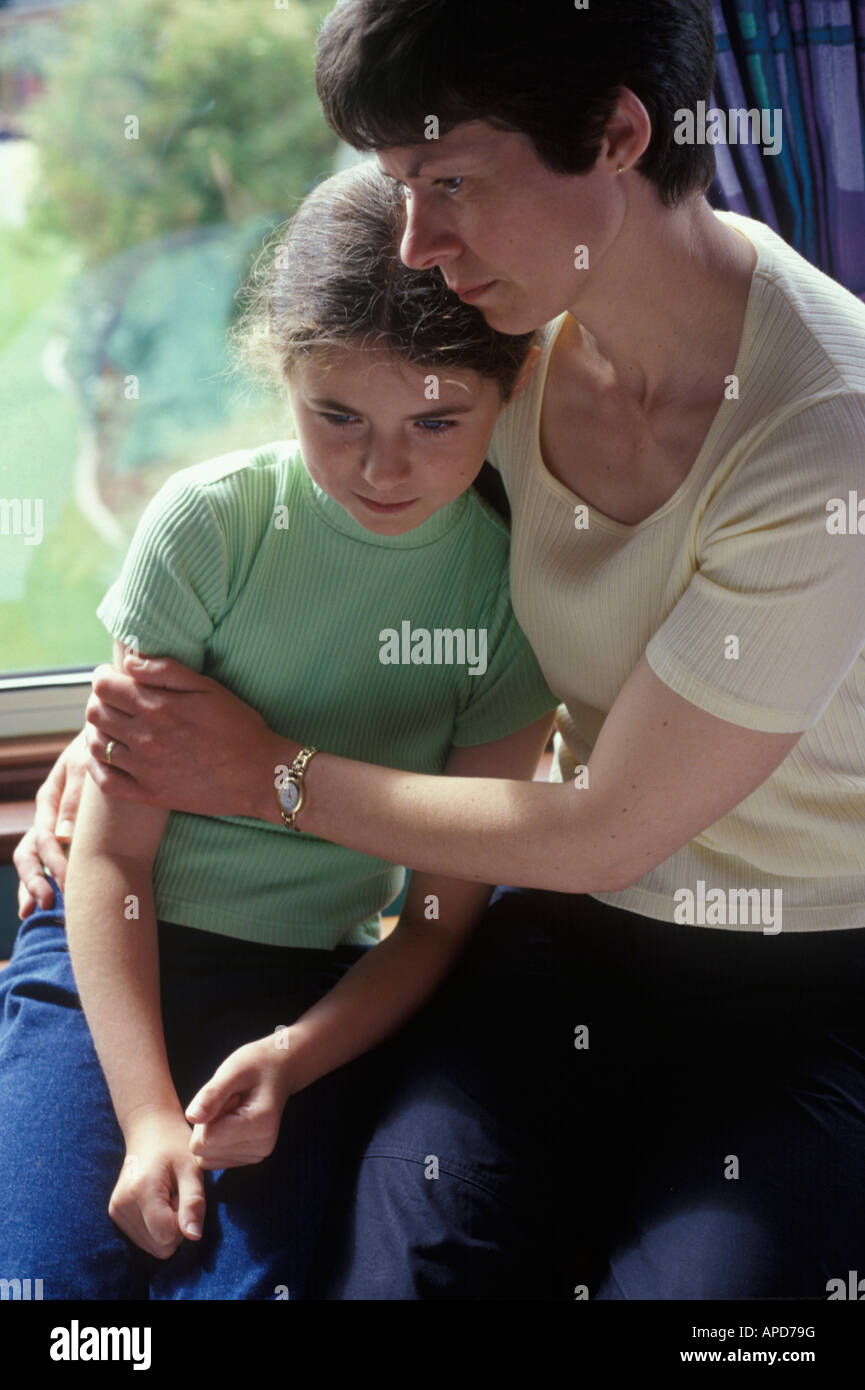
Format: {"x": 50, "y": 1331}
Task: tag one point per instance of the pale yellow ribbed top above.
{"x": 742, "y": 549}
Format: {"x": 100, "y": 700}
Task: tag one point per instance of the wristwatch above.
{"x": 292, "y": 794}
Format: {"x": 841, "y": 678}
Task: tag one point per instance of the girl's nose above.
{"x": 385, "y": 465}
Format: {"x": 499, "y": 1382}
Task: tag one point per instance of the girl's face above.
{"x": 392, "y": 443}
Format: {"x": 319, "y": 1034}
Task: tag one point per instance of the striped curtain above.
{"x": 806, "y": 57}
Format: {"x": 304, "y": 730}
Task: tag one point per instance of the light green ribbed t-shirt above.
{"x": 242, "y": 568}
{"x": 744, "y": 591}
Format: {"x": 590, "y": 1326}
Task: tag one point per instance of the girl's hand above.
{"x": 237, "y": 1114}
{"x": 56, "y": 808}
{"x": 159, "y": 1197}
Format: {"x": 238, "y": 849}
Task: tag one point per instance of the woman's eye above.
{"x": 436, "y": 426}
{"x": 334, "y": 419}
{"x": 451, "y": 185}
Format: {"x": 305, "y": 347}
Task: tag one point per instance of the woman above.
{"x": 685, "y": 1105}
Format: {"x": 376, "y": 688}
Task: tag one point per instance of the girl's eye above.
{"x": 338, "y": 420}
{"x": 451, "y": 185}
{"x": 436, "y": 426}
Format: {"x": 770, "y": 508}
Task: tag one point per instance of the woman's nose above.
{"x": 427, "y": 240}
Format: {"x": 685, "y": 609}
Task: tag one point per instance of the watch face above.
{"x": 289, "y": 797}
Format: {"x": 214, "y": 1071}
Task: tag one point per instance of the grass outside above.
{"x": 49, "y": 592}
{"x": 34, "y": 272}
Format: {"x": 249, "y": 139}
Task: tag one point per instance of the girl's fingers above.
{"x": 216, "y": 1097}
{"x": 204, "y": 1151}
{"x": 160, "y": 1220}
{"x": 141, "y": 1223}
{"x": 223, "y": 1143}
{"x": 191, "y": 1202}
{"x": 203, "y": 1106}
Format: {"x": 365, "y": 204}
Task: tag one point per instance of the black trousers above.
{"x": 602, "y": 1105}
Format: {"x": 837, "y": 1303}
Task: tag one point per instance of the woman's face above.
{"x": 377, "y": 438}
{"x": 504, "y": 229}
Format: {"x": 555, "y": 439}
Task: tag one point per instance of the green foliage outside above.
{"x": 227, "y": 118}
{"x": 130, "y": 260}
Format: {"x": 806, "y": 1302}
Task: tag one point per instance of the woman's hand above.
{"x": 158, "y": 1200}
{"x": 56, "y": 808}
{"x": 181, "y": 740}
{"x": 237, "y": 1114}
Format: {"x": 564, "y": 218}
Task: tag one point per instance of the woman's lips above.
{"x": 471, "y": 295}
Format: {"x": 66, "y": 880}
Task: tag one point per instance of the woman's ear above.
{"x": 533, "y": 356}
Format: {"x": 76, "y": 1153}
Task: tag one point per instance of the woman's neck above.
{"x": 664, "y": 309}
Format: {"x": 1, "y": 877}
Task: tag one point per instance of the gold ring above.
{"x": 109, "y": 749}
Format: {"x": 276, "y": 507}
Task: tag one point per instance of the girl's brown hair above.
{"x": 332, "y": 278}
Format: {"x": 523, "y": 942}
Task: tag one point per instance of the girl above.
{"x": 358, "y": 583}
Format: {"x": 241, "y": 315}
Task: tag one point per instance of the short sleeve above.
{"x": 511, "y": 692}
{"x": 774, "y": 616}
{"x": 174, "y": 583}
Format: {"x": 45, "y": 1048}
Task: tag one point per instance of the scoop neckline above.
{"x": 600, "y": 519}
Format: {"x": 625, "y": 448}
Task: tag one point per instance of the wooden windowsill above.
{"x": 15, "y": 818}
{"x": 24, "y": 765}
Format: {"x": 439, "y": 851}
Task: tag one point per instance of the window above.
{"x": 146, "y": 151}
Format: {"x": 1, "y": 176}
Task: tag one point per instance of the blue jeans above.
{"x": 61, "y": 1148}
{"x": 600, "y": 1104}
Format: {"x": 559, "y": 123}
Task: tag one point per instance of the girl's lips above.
{"x": 386, "y": 507}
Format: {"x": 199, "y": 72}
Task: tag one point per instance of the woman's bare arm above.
{"x": 661, "y": 772}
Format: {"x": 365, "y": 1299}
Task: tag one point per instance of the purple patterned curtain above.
{"x": 805, "y": 58}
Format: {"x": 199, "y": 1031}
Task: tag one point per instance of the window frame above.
{"x": 39, "y": 704}
{"x": 39, "y": 714}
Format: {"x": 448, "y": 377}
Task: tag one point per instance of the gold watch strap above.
{"x": 296, "y": 773}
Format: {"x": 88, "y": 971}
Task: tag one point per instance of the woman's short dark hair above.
{"x": 542, "y": 67}
{"x": 332, "y": 278}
